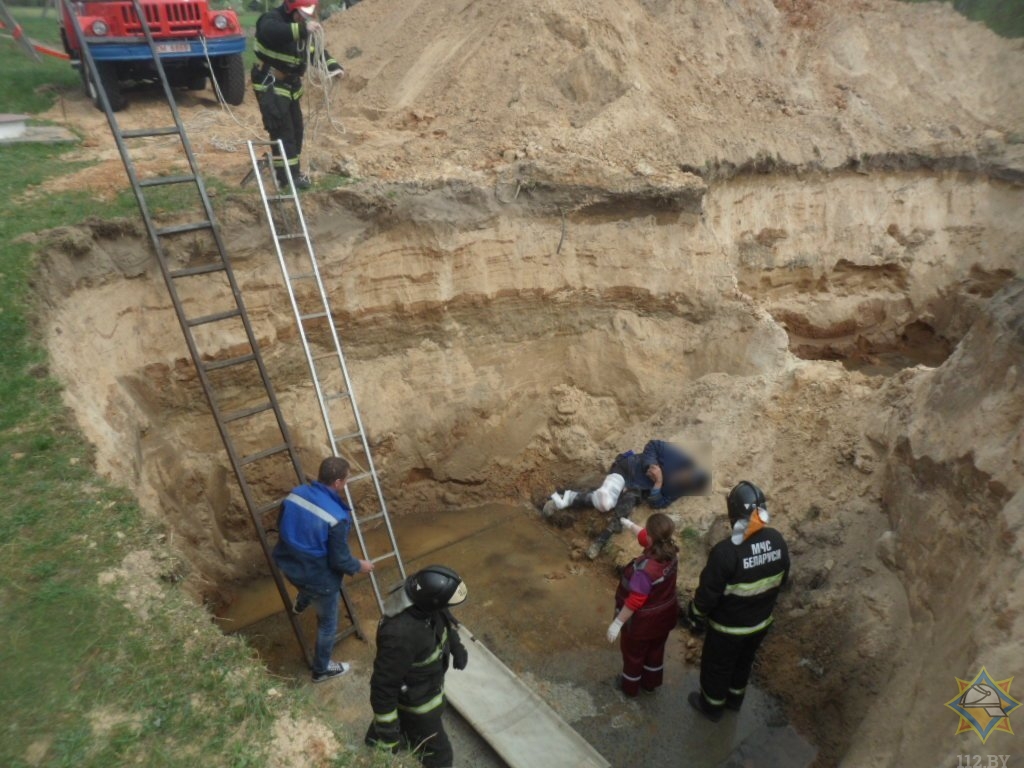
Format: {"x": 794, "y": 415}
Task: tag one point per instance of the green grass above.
{"x": 85, "y": 680}
{"x": 1004, "y": 17}
{"x": 30, "y": 86}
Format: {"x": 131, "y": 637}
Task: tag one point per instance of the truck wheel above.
{"x": 229, "y": 72}
{"x": 111, "y": 84}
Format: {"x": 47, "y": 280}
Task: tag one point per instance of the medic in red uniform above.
{"x": 646, "y": 605}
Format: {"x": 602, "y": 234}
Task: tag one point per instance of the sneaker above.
{"x": 334, "y": 669}
{"x": 595, "y": 549}
{"x": 301, "y": 603}
{"x": 549, "y": 508}
{"x": 697, "y": 702}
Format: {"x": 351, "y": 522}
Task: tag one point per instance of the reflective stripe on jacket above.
{"x": 740, "y": 583}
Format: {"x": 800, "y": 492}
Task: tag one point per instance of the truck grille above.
{"x": 165, "y": 19}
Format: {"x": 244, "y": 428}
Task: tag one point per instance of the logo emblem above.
{"x": 984, "y": 705}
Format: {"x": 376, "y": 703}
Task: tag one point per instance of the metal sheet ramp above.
{"x": 515, "y": 721}
{"x": 186, "y": 240}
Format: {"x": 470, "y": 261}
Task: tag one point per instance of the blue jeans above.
{"x": 326, "y": 628}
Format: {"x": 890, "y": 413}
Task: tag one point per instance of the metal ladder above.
{"x": 325, "y": 358}
{"x": 193, "y": 259}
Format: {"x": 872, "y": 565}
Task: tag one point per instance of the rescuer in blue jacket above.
{"x": 313, "y": 553}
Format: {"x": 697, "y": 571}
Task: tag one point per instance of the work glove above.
{"x": 460, "y": 656}
{"x": 691, "y": 621}
{"x": 613, "y": 630}
{"x": 629, "y": 525}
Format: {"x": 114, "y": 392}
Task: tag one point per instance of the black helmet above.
{"x": 435, "y": 587}
{"x": 743, "y": 500}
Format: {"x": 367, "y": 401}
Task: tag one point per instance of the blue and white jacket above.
{"x": 671, "y": 459}
{"x": 313, "y": 547}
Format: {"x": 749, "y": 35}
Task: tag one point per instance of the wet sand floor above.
{"x": 544, "y": 616}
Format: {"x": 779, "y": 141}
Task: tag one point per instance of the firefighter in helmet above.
{"x": 734, "y": 601}
{"x": 415, "y": 640}
{"x": 284, "y": 42}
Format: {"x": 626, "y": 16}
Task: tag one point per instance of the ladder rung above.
{"x": 214, "y": 318}
{"x": 371, "y": 518}
{"x": 303, "y": 276}
{"x": 290, "y": 236}
{"x": 141, "y": 133}
{"x": 337, "y": 395}
{"x": 349, "y": 630}
{"x": 385, "y": 556}
{"x": 216, "y": 365}
{"x": 279, "y": 198}
{"x": 177, "y": 230}
{"x": 360, "y": 476}
{"x": 162, "y": 180}
{"x": 263, "y": 454}
{"x": 263, "y": 509}
{"x": 313, "y": 315}
{"x": 246, "y": 412}
{"x": 349, "y": 436}
{"x": 201, "y": 270}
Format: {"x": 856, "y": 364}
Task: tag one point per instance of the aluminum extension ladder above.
{"x": 193, "y": 260}
{"x": 325, "y": 359}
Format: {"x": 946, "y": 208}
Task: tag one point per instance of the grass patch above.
{"x": 98, "y": 669}
{"x": 33, "y": 87}
{"x": 1004, "y": 17}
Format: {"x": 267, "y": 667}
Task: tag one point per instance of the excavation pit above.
{"x": 501, "y": 348}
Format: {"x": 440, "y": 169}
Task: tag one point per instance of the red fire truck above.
{"x": 195, "y": 43}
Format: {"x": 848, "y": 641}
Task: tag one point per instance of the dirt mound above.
{"x": 654, "y": 86}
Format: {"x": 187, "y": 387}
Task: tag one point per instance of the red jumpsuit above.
{"x": 648, "y": 587}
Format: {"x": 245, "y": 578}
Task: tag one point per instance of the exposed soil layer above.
{"x": 786, "y": 233}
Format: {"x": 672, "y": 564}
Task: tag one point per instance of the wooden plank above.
{"x": 515, "y": 721}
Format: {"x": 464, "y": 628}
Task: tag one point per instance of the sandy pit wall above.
{"x": 503, "y": 338}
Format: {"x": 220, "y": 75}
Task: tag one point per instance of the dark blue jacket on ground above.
{"x": 671, "y": 459}
{"x": 313, "y": 547}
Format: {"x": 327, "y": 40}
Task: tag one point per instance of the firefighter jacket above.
{"x": 740, "y": 583}
{"x": 413, "y": 649}
{"x": 282, "y": 47}
{"x": 648, "y": 586}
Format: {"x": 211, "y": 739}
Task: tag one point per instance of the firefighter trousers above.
{"x": 281, "y": 111}
{"x": 423, "y": 734}
{"x": 725, "y": 665}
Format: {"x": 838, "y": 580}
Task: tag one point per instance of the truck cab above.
{"x": 195, "y": 42}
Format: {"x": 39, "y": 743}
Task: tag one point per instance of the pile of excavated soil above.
{"x": 573, "y": 227}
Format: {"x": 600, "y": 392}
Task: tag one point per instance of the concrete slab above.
{"x": 41, "y": 134}
{"x": 515, "y": 721}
